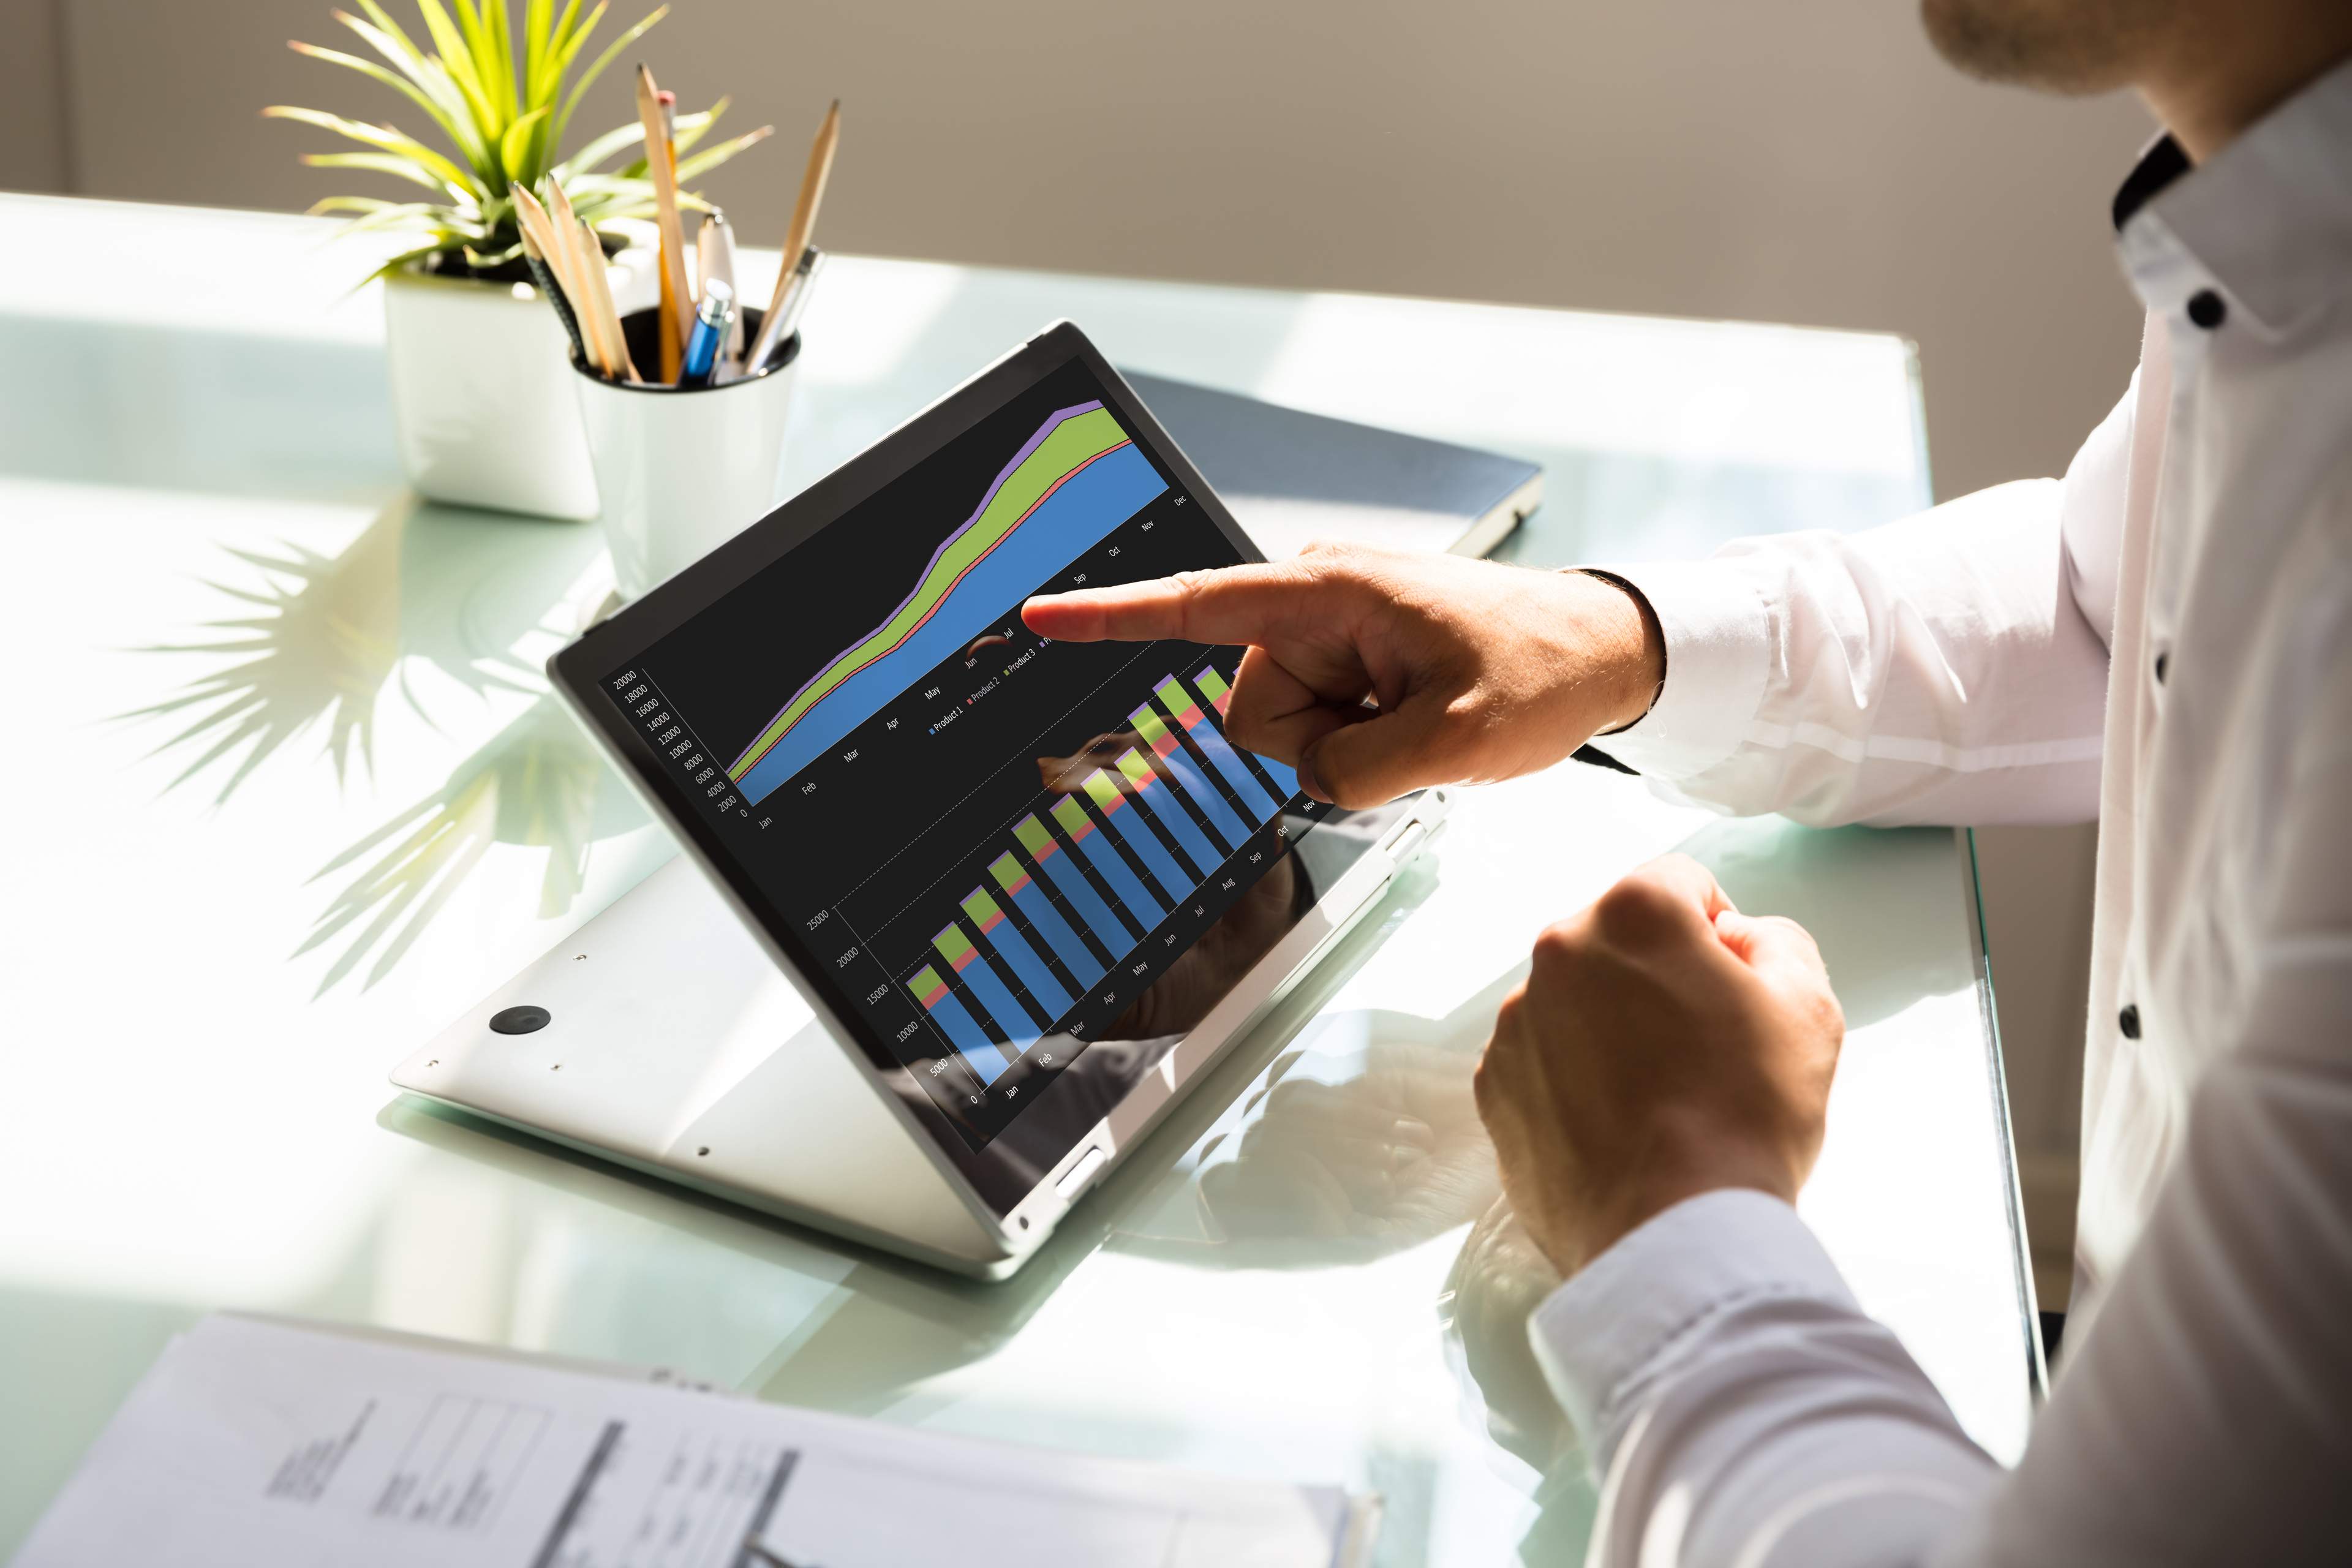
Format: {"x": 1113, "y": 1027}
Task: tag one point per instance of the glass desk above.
{"x": 288, "y": 796}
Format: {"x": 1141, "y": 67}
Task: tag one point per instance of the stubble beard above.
{"x": 2058, "y": 46}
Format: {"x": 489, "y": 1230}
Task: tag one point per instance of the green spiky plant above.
{"x": 504, "y": 103}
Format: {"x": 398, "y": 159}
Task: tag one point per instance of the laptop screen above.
{"x": 995, "y": 852}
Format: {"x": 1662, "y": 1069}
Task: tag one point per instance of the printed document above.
{"x": 256, "y": 1444}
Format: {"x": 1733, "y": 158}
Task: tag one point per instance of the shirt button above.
{"x": 2206, "y": 309}
{"x": 2128, "y": 1021}
{"x": 2161, "y": 660}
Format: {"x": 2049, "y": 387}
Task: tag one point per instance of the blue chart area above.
{"x": 978, "y": 1049}
{"x": 997, "y": 997}
{"x": 1040, "y": 912}
{"x": 1067, "y": 523}
{"x": 1171, "y": 820}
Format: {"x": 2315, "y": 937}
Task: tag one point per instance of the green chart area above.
{"x": 1065, "y": 446}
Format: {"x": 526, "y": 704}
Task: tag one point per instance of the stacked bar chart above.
{"x": 1213, "y": 686}
{"x": 1072, "y": 884}
{"x": 1078, "y": 888}
{"x": 991, "y": 850}
{"x": 1156, "y": 734}
{"x": 962, "y": 1030}
{"x": 1044, "y": 919}
{"x": 1160, "y": 801}
{"x": 1137, "y": 836}
{"x": 1019, "y": 956}
{"x": 995, "y": 996}
{"x": 1250, "y": 790}
{"x": 1125, "y": 884}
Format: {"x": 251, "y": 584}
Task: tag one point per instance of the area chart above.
{"x": 1069, "y": 485}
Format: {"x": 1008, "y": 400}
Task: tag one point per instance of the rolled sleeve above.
{"x": 1714, "y": 618}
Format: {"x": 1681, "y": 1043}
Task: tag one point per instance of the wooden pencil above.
{"x": 540, "y": 230}
{"x": 796, "y": 238}
{"x": 600, "y": 287}
{"x": 585, "y": 263}
{"x": 556, "y": 251}
{"x": 677, "y": 295}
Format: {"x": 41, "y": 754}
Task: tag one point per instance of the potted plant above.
{"x": 484, "y": 412}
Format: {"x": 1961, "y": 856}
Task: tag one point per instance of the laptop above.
{"x": 963, "y": 912}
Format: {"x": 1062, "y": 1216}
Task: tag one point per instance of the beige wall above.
{"x": 1801, "y": 160}
{"x": 35, "y": 153}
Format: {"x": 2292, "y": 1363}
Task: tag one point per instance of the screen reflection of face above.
{"x": 1139, "y": 1038}
{"x": 1182, "y": 997}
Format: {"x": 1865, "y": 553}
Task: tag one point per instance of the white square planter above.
{"x": 482, "y": 401}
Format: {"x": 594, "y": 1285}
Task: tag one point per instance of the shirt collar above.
{"x": 2161, "y": 161}
{"x": 2266, "y": 221}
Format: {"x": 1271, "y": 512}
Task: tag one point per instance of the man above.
{"x": 2165, "y": 638}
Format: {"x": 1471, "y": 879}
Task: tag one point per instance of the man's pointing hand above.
{"x": 1374, "y": 673}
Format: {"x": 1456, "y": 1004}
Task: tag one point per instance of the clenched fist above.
{"x": 1664, "y": 1045}
{"x": 1374, "y": 672}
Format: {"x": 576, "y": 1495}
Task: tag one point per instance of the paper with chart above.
{"x": 254, "y": 1444}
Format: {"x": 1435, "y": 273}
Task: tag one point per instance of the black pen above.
{"x": 545, "y": 279}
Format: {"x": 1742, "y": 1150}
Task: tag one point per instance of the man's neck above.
{"x": 2245, "y": 60}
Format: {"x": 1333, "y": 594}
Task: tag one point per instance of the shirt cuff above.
{"x": 1719, "y": 637}
{"x": 1639, "y": 1304}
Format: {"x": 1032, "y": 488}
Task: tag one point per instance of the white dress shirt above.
{"x": 2164, "y": 638}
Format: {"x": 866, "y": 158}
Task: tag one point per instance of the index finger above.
{"x": 1228, "y": 604}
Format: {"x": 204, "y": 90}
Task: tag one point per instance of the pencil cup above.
{"x": 681, "y": 471}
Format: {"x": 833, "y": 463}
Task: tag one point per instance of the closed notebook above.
{"x": 1292, "y": 478}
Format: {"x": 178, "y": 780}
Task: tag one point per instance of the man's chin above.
{"x": 2060, "y": 46}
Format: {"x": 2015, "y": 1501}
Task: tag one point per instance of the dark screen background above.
{"x": 745, "y": 657}
{"x": 867, "y": 851}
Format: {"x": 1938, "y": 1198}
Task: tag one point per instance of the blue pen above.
{"x": 712, "y": 322}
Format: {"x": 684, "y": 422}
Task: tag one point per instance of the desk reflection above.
{"x": 1362, "y": 1141}
{"x": 324, "y": 643}
{"x": 538, "y": 782}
